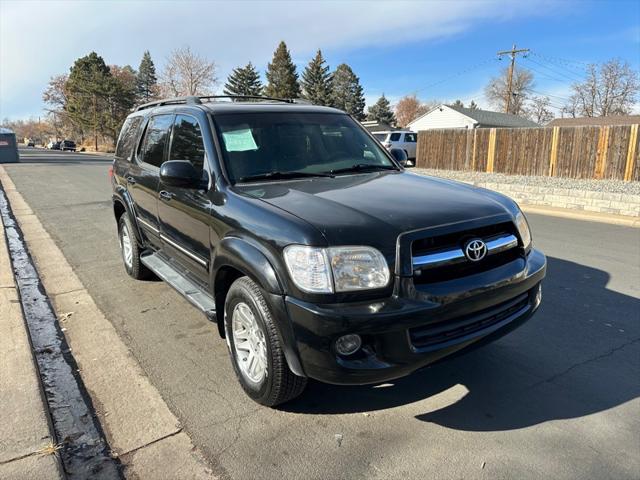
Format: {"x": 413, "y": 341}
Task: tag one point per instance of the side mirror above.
{"x": 180, "y": 173}
{"x": 400, "y": 156}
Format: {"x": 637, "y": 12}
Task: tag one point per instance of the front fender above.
{"x": 243, "y": 256}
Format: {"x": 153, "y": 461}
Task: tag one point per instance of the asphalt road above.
{"x": 557, "y": 398}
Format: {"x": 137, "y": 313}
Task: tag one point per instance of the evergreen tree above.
{"x": 316, "y": 81}
{"x": 89, "y": 95}
{"x": 243, "y": 81}
{"x": 281, "y": 75}
{"x": 347, "y": 92}
{"x": 473, "y": 105}
{"x": 458, "y": 103}
{"x": 147, "y": 81}
{"x": 382, "y": 112}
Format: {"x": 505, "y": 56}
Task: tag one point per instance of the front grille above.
{"x": 450, "y": 247}
{"x": 436, "y": 334}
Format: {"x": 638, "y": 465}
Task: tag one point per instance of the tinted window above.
{"x": 127, "y": 137}
{"x": 155, "y": 139}
{"x": 394, "y": 137}
{"x": 410, "y": 137}
{"x": 187, "y": 141}
{"x": 254, "y": 144}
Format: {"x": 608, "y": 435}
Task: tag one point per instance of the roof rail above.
{"x": 191, "y": 100}
{"x": 249, "y": 97}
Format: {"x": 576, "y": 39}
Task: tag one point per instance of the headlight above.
{"x": 339, "y": 269}
{"x": 523, "y": 230}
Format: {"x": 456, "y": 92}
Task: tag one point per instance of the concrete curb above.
{"x": 134, "y": 416}
{"x": 24, "y": 422}
{"x": 583, "y": 216}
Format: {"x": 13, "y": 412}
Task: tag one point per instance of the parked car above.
{"x": 53, "y": 145}
{"x": 280, "y": 221}
{"x": 402, "y": 139}
{"x": 30, "y": 143}
{"x": 68, "y": 145}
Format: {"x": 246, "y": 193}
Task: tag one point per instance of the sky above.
{"x": 439, "y": 50}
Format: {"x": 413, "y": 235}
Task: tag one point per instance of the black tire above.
{"x": 134, "y": 267}
{"x": 280, "y": 384}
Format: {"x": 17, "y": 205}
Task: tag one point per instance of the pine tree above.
{"x": 382, "y": 112}
{"x": 147, "y": 81}
{"x": 281, "y": 75}
{"x": 458, "y": 103}
{"x": 316, "y": 81}
{"x": 89, "y": 92}
{"x": 473, "y": 105}
{"x": 243, "y": 81}
{"x": 347, "y": 92}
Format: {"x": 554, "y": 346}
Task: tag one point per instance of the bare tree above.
{"x": 539, "y": 110}
{"x": 610, "y": 89}
{"x": 497, "y": 89}
{"x": 409, "y": 108}
{"x": 187, "y": 73}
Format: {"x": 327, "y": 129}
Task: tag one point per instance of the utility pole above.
{"x": 512, "y": 53}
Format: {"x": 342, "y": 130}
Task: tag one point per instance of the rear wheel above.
{"x": 130, "y": 249}
{"x": 255, "y": 348}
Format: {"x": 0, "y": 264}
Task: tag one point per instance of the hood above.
{"x": 374, "y": 208}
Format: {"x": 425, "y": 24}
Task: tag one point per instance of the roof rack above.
{"x": 194, "y": 100}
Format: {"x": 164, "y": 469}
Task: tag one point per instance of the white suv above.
{"x": 402, "y": 139}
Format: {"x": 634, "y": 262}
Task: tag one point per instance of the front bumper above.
{"x": 418, "y": 325}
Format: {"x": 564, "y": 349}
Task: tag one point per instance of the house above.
{"x": 449, "y": 116}
{"x": 595, "y": 121}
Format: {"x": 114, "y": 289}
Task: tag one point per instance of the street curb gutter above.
{"x": 84, "y": 450}
{"x": 138, "y": 424}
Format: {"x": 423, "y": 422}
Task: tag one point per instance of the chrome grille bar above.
{"x": 456, "y": 255}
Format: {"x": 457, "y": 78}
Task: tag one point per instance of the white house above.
{"x": 449, "y": 116}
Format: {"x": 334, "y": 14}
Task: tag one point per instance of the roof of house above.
{"x": 586, "y": 121}
{"x": 487, "y": 118}
{"x": 5, "y": 130}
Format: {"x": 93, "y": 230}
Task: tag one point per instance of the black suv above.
{"x": 283, "y": 222}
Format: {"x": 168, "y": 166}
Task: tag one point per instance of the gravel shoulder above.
{"x": 608, "y": 186}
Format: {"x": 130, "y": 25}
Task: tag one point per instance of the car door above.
{"x": 185, "y": 213}
{"x": 143, "y": 175}
{"x": 410, "y": 142}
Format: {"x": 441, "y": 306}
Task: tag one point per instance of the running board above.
{"x": 187, "y": 288}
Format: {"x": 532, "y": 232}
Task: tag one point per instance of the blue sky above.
{"x": 440, "y": 50}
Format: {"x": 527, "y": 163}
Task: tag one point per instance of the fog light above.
{"x": 348, "y": 344}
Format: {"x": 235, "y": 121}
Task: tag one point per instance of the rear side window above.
{"x": 155, "y": 140}
{"x": 187, "y": 143}
{"x": 394, "y": 137}
{"x": 410, "y": 137}
{"x": 127, "y": 137}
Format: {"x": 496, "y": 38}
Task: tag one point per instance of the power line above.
{"x": 546, "y": 75}
{"x": 557, "y": 72}
{"x": 512, "y": 53}
{"x": 457, "y": 74}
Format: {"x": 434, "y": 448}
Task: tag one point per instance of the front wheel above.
{"x": 130, "y": 249}
{"x": 255, "y": 348}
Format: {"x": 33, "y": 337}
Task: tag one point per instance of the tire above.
{"x": 131, "y": 259}
{"x": 277, "y": 384}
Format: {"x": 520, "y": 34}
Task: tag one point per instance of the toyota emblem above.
{"x": 475, "y": 250}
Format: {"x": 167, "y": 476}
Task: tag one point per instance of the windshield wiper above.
{"x": 363, "y": 167}
{"x": 282, "y": 176}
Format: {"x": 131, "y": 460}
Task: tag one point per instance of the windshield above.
{"x": 261, "y": 144}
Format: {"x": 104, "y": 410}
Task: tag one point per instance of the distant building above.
{"x": 449, "y": 116}
{"x": 595, "y": 121}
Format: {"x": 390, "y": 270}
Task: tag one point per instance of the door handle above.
{"x": 164, "y": 195}
{"x": 131, "y": 180}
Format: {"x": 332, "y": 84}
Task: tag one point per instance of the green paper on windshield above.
{"x": 239, "y": 140}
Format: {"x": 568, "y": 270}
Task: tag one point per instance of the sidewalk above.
{"x": 26, "y": 440}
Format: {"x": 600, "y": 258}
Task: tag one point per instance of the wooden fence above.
{"x": 607, "y": 152}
